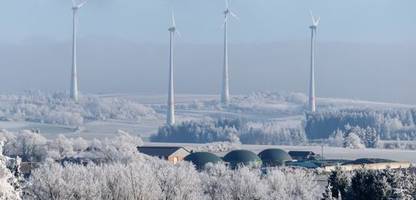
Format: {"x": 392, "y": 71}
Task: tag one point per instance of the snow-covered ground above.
{"x": 103, "y": 115}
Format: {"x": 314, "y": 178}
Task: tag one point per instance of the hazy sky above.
{"x": 366, "y": 48}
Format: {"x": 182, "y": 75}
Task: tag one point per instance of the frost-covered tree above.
{"x": 60, "y": 147}
{"x": 9, "y": 189}
{"x": 122, "y": 148}
{"x": 247, "y": 184}
{"x": 353, "y": 141}
{"x": 178, "y": 182}
{"x": 374, "y": 184}
{"x": 369, "y": 185}
{"x": 219, "y": 182}
{"x": 234, "y": 131}
{"x": 28, "y": 145}
{"x": 292, "y": 184}
{"x": 339, "y": 181}
{"x": 336, "y": 139}
{"x": 387, "y": 123}
{"x": 79, "y": 144}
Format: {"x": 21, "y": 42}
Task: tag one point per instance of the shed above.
{"x": 172, "y": 154}
{"x": 303, "y": 155}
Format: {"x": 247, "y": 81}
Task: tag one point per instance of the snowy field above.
{"x": 101, "y": 116}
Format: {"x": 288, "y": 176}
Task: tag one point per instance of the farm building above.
{"x": 242, "y": 157}
{"x": 304, "y": 155}
{"x": 172, "y": 154}
{"x": 201, "y": 159}
{"x": 274, "y": 157}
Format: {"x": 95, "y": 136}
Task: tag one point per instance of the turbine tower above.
{"x": 74, "y": 76}
{"x": 312, "y": 98}
{"x": 171, "y": 98}
{"x": 225, "y": 92}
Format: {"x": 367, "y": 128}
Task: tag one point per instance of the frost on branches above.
{"x": 9, "y": 189}
{"x": 33, "y": 147}
{"x": 151, "y": 179}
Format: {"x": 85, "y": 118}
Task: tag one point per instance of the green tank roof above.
{"x": 274, "y": 157}
{"x": 242, "y": 157}
{"x": 200, "y": 159}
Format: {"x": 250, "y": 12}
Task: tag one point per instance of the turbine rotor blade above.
{"x": 81, "y": 4}
{"x": 317, "y": 21}
{"x": 173, "y": 19}
{"x": 178, "y": 33}
{"x": 312, "y": 17}
{"x": 234, "y": 15}
{"x": 225, "y": 21}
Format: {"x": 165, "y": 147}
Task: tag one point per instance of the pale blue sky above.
{"x": 366, "y": 48}
{"x": 199, "y": 20}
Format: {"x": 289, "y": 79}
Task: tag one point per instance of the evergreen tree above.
{"x": 339, "y": 182}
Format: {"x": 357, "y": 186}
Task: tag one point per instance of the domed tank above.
{"x": 238, "y": 158}
{"x": 201, "y": 159}
{"x": 274, "y": 157}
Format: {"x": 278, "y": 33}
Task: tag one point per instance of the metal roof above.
{"x": 241, "y": 157}
{"x": 200, "y": 159}
{"x": 159, "y": 151}
{"x": 274, "y": 157}
{"x": 368, "y": 161}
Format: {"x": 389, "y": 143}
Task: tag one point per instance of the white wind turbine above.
{"x": 74, "y": 76}
{"x": 171, "y": 98}
{"x": 225, "y": 92}
{"x": 312, "y": 98}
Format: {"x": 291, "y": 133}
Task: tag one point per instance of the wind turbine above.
{"x": 312, "y": 98}
{"x": 225, "y": 93}
{"x": 171, "y": 98}
{"x": 74, "y": 76}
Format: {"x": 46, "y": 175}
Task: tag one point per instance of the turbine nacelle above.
{"x": 227, "y": 12}
{"x": 173, "y": 28}
{"x": 76, "y": 6}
